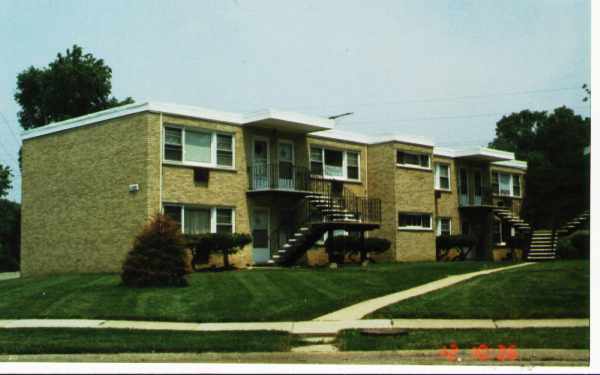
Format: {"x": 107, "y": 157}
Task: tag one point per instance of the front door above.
{"x": 478, "y": 188}
{"x": 463, "y": 186}
{"x": 260, "y": 235}
{"x": 286, "y": 164}
{"x": 260, "y": 164}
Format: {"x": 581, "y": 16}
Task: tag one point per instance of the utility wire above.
{"x": 17, "y": 139}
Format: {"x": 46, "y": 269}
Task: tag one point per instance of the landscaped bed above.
{"x": 557, "y": 289}
{"x": 75, "y": 340}
{"x": 466, "y": 339}
{"x": 246, "y": 295}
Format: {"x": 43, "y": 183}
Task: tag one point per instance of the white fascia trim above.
{"x": 372, "y": 140}
{"x": 92, "y": 118}
{"x": 272, "y": 114}
{"x": 519, "y": 164}
{"x": 444, "y": 151}
{"x": 485, "y": 151}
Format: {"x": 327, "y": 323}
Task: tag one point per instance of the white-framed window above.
{"x": 498, "y": 236}
{"x": 198, "y": 220}
{"x": 414, "y": 220}
{"x": 442, "y": 176}
{"x": 508, "y": 184}
{"x": 198, "y": 147}
{"x": 443, "y": 226}
{"x": 337, "y": 164}
{"x": 412, "y": 159}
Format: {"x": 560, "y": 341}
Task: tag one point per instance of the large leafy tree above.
{"x": 557, "y": 181}
{"x": 72, "y": 85}
{"x": 5, "y": 180}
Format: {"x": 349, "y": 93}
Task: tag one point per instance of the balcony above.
{"x": 283, "y": 177}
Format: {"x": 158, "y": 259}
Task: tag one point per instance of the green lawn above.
{"x": 69, "y": 341}
{"x": 558, "y": 289}
{"x": 247, "y": 295}
{"x": 546, "y": 338}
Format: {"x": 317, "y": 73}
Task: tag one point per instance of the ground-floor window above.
{"x": 443, "y": 226}
{"x": 197, "y": 220}
{"x": 418, "y": 221}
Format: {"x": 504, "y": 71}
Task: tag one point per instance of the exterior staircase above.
{"x": 543, "y": 245}
{"x": 576, "y": 223}
{"x": 514, "y": 220}
{"x": 320, "y": 212}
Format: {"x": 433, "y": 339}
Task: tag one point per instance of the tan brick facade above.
{"x": 78, "y": 215}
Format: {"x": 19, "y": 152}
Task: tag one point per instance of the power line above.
{"x": 10, "y": 129}
{"x": 450, "y": 98}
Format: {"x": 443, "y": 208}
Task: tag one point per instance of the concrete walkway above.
{"x": 527, "y": 357}
{"x": 360, "y": 310}
{"x": 301, "y": 328}
{"x": 9, "y": 275}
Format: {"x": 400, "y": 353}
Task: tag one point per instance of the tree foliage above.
{"x": 5, "y": 180}
{"x": 157, "y": 257}
{"x": 10, "y": 235}
{"x": 225, "y": 244}
{"x": 338, "y": 247}
{"x": 557, "y": 180}
{"x": 72, "y": 85}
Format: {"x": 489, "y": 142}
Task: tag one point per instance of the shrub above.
{"x": 157, "y": 257}
{"x": 339, "y": 246}
{"x": 216, "y": 243}
{"x": 445, "y": 243}
{"x": 574, "y": 246}
{"x": 7, "y": 262}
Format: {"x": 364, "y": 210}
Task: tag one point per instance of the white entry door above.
{"x": 286, "y": 164}
{"x": 260, "y": 235}
{"x": 463, "y": 187}
{"x": 260, "y": 164}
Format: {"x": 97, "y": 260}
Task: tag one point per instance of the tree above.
{"x": 10, "y": 235}
{"x": 157, "y": 257}
{"x": 556, "y": 184}
{"x": 74, "y": 84}
{"x": 5, "y": 180}
{"x": 217, "y": 243}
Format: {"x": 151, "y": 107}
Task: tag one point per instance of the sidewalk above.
{"x": 9, "y": 275}
{"x": 360, "y": 310}
{"x": 527, "y": 357}
{"x": 301, "y": 328}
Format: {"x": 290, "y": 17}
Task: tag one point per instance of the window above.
{"x": 506, "y": 184}
{"x": 224, "y": 220}
{"x": 497, "y": 232}
{"x": 442, "y": 176}
{"x": 412, "y": 159}
{"x": 197, "y": 220}
{"x": 516, "y": 185}
{"x": 443, "y": 226}
{"x": 173, "y": 146}
{"x": 207, "y": 149}
{"x": 420, "y": 221}
{"x": 352, "y": 165}
{"x": 335, "y": 163}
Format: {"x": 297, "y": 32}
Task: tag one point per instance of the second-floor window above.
{"x": 203, "y": 148}
{"x": 412, "y": 159}
{"x": 334, "y": 163}
{"x": 442, "y": 176}
{"x": 198, "y": 220}
{"x": 506, "y": 184}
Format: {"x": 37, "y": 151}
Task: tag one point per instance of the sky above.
{"x": 447, "y": 70}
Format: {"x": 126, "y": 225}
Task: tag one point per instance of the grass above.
{"x": 246, "y": 295}
{"x": 557, "y": 289}
{"x": 74, "y": 340}
{"x": 546, "y": 338}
